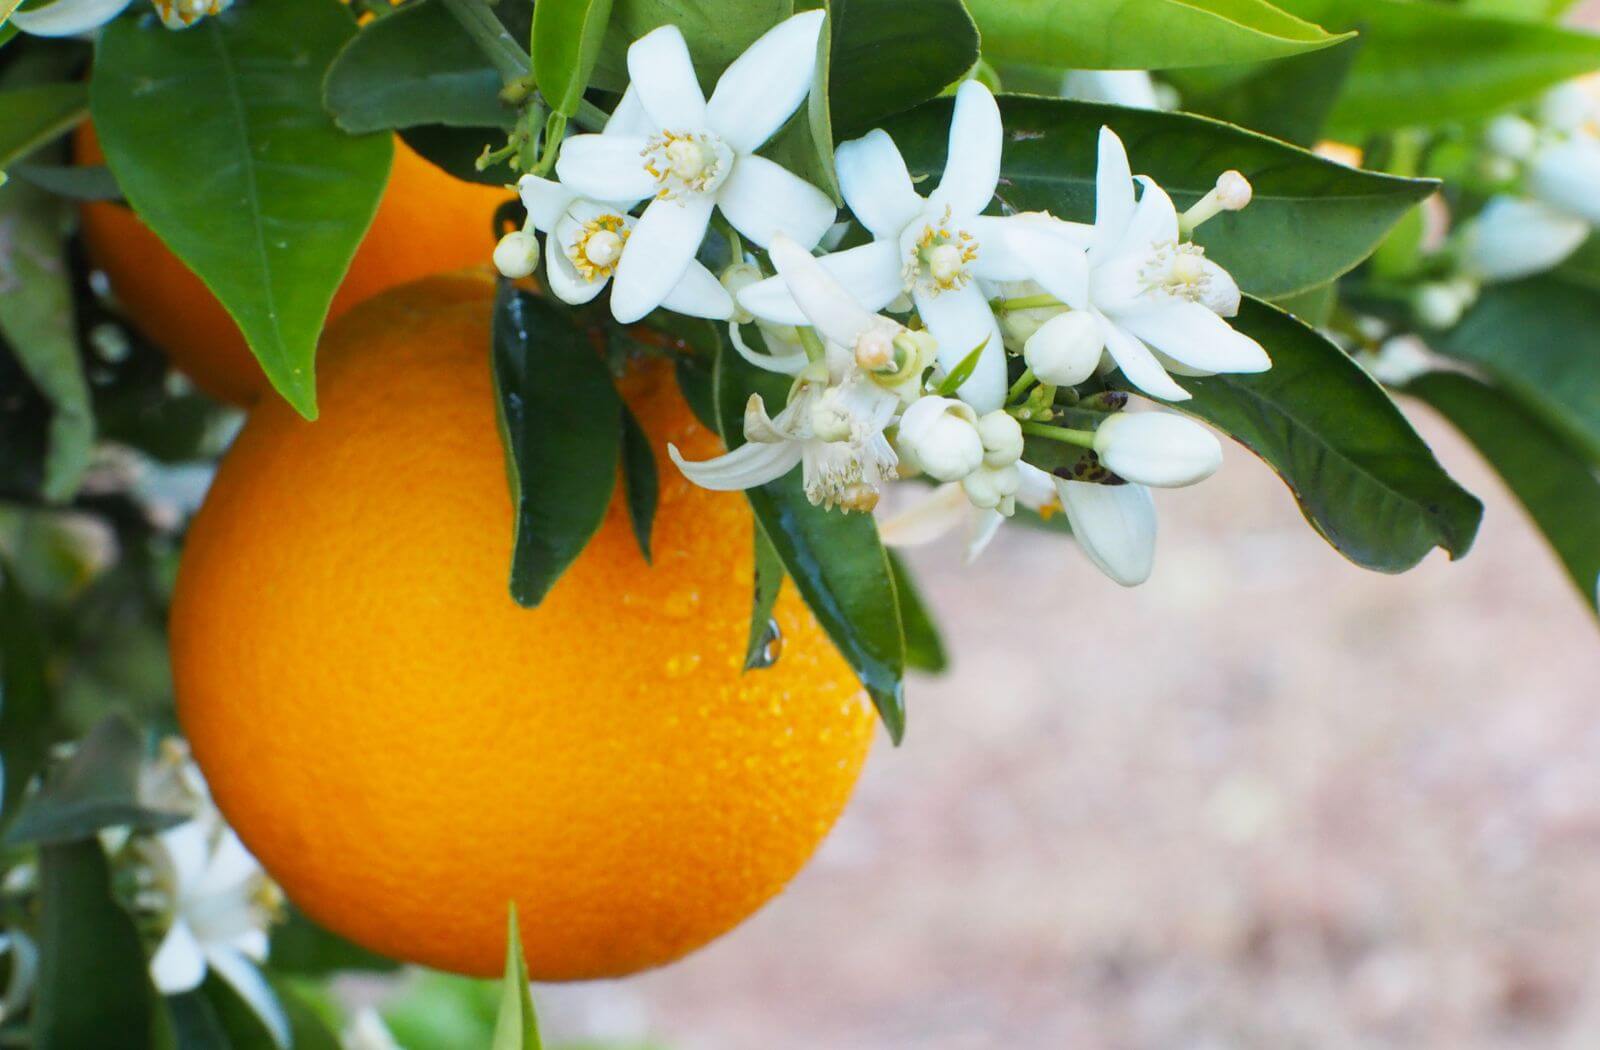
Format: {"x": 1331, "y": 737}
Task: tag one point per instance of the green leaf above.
{"x": 764, "y": 636}
{"x": 1287, "y": 98}
{"x": 1140, "y": 34}
{"x": 243, "y": 1029}
{"x": 415, "y": 66}
{"x": 1363, "y": 477}
{"x": 889, "y": 55}
{"x": 286, "y": 196}
{"x": 566, "y": 42}
{"x": 1430, "y": 63}
{"x": 834, "y": 558}
{"x": 1554, "y": 482}
{"x": 958, "y": 375}
{"x": 717, "y": 32}
{"x": 25, "y": 702}
{"x": 97, "y": 788}
{"x": 639, "y": 477}
{"x": 79, "y": 182}
{"x": 1310, "y": 220}
{"x": 93, "y": 990}
{"x": 32, "y": 116}
{"x": 924, "y": 647}
{"x": 303, "y": 948}
{"x": 558, "y": 420}
{"x": 517, "y": 1026}
{"x": 1539, "y": 339}
{"x": 456, "y": 150}
{"x": 36, "y": 318}
{"x": 805, "y": 144}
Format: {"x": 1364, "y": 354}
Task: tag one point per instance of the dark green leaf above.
{"x": 834, "y": 558}
{"x": 924, "y": 647}
{"x": 79, "y": 182}
{"x": 694, "y": 372}
{"x": 566, "y": 42}
{"x": 1310, "y": 220}
{"x": 1140, "y": 34}
{"x": 302, "y": 948}
{"x": 1430, "y": 63}
{"x": 1539, "y": 339}
{"x": 194, "y": 1022}
{"x": 413, "y": 67}
{"x": 286, "y": 196}
{"x": 455, "y": 151}
{"x": 639, "y": 476}
{"x": 1363, "y": 477}
{"x": 1555, "y": 483}
{"x": 93, "y": 990}
{"x": 32, "y": 116}
{"x": 243, "y": 1028}
{"x": 889, "y": 55}
{"x": 517, "y": 1026}
{"x": 36, "y": 318}
{"x": 717, "y": 32}
{"x": 558, "y": 417}
{"x": 764, "y": 637}
{"x": 25, "y": 703}
{"x": 1314, "y": 306}
{"x": 1288, "y": 98}
{"x": 97, "y": 788}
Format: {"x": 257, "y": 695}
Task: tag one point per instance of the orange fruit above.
{"x": 428, "y": 222}
{"x": 406, "y": 750}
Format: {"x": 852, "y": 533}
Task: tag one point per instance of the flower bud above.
{"x": 1157, "y": 448}
{"x": 939, "y": 436}
{"x": 1511, "y": 136}
{"x": 1066, "y": 348}
{"x": 517, "y": 254}
{"x": 1438, "y": 304}
{"x": 1566, "y": 107}
{"x": 1233, "y": 190}
{"x": 1002, "y": 439}
{"x": 989, "y": 487}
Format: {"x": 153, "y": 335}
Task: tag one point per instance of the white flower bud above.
{"x": 517, "y": 254}
{"x": 1157, "y": 448}
{"x": 1002, "y": 439}
{"x": 1438, "y": 304}
{"x": 1233, "y": 190}
{"x": 939, "y": 436}
{"x": 989, "y": 487}
{"x": 1511, "y": 136}
{"x": 1567, "y": 176}
{"x": 1566, "y": 107}
{"x": 1066, "y": 348}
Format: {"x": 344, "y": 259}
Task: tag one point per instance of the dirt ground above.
{"x": 1268, "y": 800}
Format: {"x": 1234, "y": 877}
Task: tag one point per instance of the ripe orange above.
{"x": 406, "y": 750}
{"x": 427, "y": 223}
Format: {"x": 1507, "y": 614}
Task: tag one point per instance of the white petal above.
{"x": 187, "y": 849}
{"x": 1055, "y": 262}
{"x": 1113, "y": 192}
{"x": 1192, "y": 334}
{"x": 986, "y": 523}
{"x": 606, "y": 167}
{"x": 826, "y": 304}
{"x": 972, "y": 166}
{"x": 659, "y": 250}
{"x": 662, "y": 73}
{"x": 1115, "y": 526}
{"x": 1139, "y": 365}
{"x": 928, "y": 518}
{"x": 245, "y": 979}
{"x": 68, "y": 17}
{"x": 780, "y": 357}
{"x": 700, "y": 294}
{"x": 18, "y": 990}
{"x": 765, "y": 85}
{"x": 1155, "y": 221}
{"x": 1001, "y": 256}
{"x": 960, "y": 319}
{"x": 876, "y": 185}
{"x": 179, "y": 964}
{"x": 1120, "y": 87}
{"x": 763, "y": 199}
{"x": 747, "y": 466}
{"x": 545, "y": 199}
{"x": 1222, "y": 296}
{"x": 1157, "y": 448}
{"x": 870, "y": 271}
{"x": 565, "y": 281}
{"x": 1514, "y": 238}
{"x": 629, "y": 118}
{"x": 1568, "y": 176}
{"x": 229, "y": 868}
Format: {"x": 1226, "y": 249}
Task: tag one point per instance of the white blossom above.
{"x": 1157, "y": 448}
{"x": 1513, "y": 238}
{"x": 949, "y": 507}
{"x": 1065, "y": 350}
{"x": 75, "y": 17}
{"x": 1115, "y": 526}
{"x": 516, "y": 255}
{"x": 939, "y": 437}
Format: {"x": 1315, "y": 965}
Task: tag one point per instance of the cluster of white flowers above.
{"x": 899, "y": 346}
{"x": 72, "y": 17}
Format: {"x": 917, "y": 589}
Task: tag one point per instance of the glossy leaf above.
{"x": 1539, "y": 339}
{"x": 643, "y": 487}
{"x": 93, "y": 990}
{"x": 517, "y": 1026}
{"x": 1363, "y": 477}
{"x": 1431, "y": 63}
{"x": 835, "y": 559}
{"x": 566, "y": 42}
{"x": 243, "y": 1029}
{"x": 889, "y": 55}
{"x": 805, "y": 144}
{"x": 1555, "y": 483}
{"x": 1287, "y": 98}
{"x": 25, "y": 704}
{"x": 558, "y": 417}
{"x": 1140, "y": 34}
{"x": 1310, "y": 220}
{"x": 36, "y": 318}
{"x": 924, "y": 647}
{"x": 31, "y": 116}
{"x": 286, "y": 196}
{"x": 768, "y": 582}
{"x": 412, "y": 67}
{"x": 455, "y": 151}
{"x": 97, "y": 788}
{"x": 717, "y": 32}
{"x": 303, "y": 948}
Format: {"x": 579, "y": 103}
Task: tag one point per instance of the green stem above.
{"x": 1026, "y": 302}
{"x": 1081, "y": 438}
{"x": 1022, "y": 383}
{"x": 554, "y": 130}
{"x": 486, "y": 31}
{"x": 812, "y": 344}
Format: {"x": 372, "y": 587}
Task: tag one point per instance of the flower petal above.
{"x": 1115, "y": 526}
{"x": 826, "y": 304}
{"x": 186, "y": 849}
{"x": 1139, "y": 365}
{"x": 68, "y": 17}
{"x": 765, "y": 85}
{"x": 660, "y": 69}
{"x": 1514, "y": 238}
{"x": 629, "y": 118}
{"x": 1566, "y": 175}
{"x": 1155, "y": 221}
{"x": 179, "y": 964}
{"x": 242, "y": 975}
{"x": 870, "y": 271}
{"x": 1190, "y": 333}
{"x": 230, "y": 867}
{"x": 699, "y": 294}
{"x": 606, "y": 167}
{"x": 545, "y": 199}
{"x": 763, "y": 199}
{"x": 876, "y": 185}
{"x": 780, "y": 357}
{"x": 565, "y": 281}
{"x": 1113, "y": 193}
{"x": 960, "y": 319}
{"x": 985, "y": 525}
{"x": 747, "y": 466}
{"x": 1222, "y": 296}
{"x": 929, "y": 518}
{"x": 659, "y": 250}
{"x": 1058, "y": 265}
{"x": 972, "y": 169}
